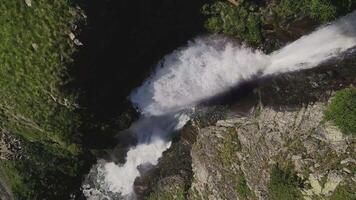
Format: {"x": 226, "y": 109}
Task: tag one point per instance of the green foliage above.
{"x": 49, "y": 172}
{"x": 230, "y": 146}
{"x": 234, "y": 21}
{"x": 242, "y": 189}
{"x": 10, "y": 177}
{"x": 321, "y": 10}
{"x": 247, "y": 19}
{"x": 343, "y": 192}
{"x": 35, "y": 51}
{"x": 342, "y": 110}
{"x": 284, "y": 185}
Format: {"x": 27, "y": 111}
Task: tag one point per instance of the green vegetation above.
{"x": 342, "y": 110}
{"x": 230, "y": 146}
{"x": 232, "y": 20}
{"x": 343, "y": 192}
{"x": 249, "y": 19}
{"x": 242, "y": 189}
{"x": 35, "y": 51}
{"x": 321, "y": 10}
{"x": 284, "y": 184}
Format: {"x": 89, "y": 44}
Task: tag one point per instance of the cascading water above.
{"x": 207, "y": 67}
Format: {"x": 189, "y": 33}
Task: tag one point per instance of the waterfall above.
{"x": 206, "y": 67}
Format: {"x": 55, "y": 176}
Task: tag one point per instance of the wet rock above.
{"x": 172, "y": 175}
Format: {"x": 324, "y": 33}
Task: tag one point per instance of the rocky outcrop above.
{"x": 282, "y": 124}
{"x": 172, "y": 176}
{"x": 244, "y": 149}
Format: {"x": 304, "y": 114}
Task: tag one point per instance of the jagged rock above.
{"x": 346, "y": 170}
{"x": 348, "y": 160}
{"x": 275, "y": 135}
{"x": 173, "y": 173}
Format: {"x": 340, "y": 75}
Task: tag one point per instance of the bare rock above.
{"x": 332, "y": 182}
{"x": 71, "y": 36}
{"x": 28, "y": 3}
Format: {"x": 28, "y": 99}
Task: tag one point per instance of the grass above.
{"x": 284, "y": 184}
{"x": 230, "y": 146}
{"x": 31, "y": 77}
{"x": 242, "y": 189}
{"x": 35, "y": 53}
{"x": 343, "y": 192}
{"x": 10, "y": 177}
{"x": 342, "y": 110}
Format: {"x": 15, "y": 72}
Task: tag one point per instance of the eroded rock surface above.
{"x": 245, "y": 148}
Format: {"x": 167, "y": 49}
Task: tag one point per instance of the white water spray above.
{"x": 207, "y": 67}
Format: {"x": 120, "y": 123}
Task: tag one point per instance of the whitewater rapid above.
{"x": 206, "y": 67}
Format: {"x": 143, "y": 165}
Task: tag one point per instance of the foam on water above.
{"x": 207, "y": 66}
{"x": 309, "y": 51}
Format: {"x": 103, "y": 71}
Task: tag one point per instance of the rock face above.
{"x": 243, "y": 150}
{"x": 172, "y": 176}
{"x": 234, "y": 158}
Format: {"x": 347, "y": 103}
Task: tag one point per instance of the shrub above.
{"x": 242, "y": 189}
{"x": 284, "y": 185}
{"x": 236, "y": 21}
{"x": 342, "y": 110}
{"x": 320, "y": 10}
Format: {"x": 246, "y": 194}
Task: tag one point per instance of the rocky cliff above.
{"x": 273, "y": 144}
